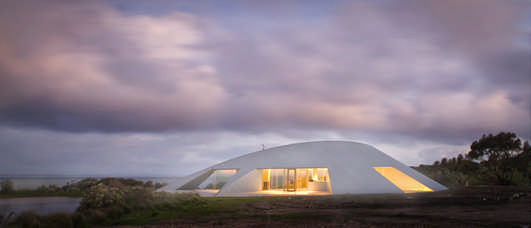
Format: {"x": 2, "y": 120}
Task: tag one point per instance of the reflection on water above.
{"x": 41, "y": 205}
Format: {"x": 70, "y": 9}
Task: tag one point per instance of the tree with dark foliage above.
{"x": 496, "y": 154}
{"x": 493, "y": 159}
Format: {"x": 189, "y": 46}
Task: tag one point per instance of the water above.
{"x": 41, "y": 205}
{"x": 47, "y": 205}
{"x": 33, "y": 182}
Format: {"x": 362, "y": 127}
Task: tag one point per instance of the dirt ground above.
{"x": 463, "y": 207}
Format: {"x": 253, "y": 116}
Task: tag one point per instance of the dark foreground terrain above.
{"x": 463, "y": 207}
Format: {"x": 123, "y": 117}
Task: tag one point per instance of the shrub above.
{"x": 28, "y": 219}
{"x": 42, "y": 188}
{"x": 57, "y": 220}
{"x": 80, "y": 220}
{"x": 84, "y": 184}
{"x": 519, "y": 179}
{"x": 159, "y": 185}
{"x": 169, "y": 200}
{"x": 101, "y": 196}
{"x": 138, "y": 198}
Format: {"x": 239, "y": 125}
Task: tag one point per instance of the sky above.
{"x": 165, "y": 88}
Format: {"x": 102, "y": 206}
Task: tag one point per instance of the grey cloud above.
{"x": 415, "y": 68}
{"x": 84, "y": 67}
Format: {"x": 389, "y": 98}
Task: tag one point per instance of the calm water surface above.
{"x": 41, "y": 205}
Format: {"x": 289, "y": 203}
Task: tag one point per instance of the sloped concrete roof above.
{"x": 350, "y": 166}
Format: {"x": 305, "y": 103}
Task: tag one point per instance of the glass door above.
{"x": 292, "y": 180}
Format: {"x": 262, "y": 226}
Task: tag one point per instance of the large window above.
{"x": 318, "y": 174}
{"x": 274, "y": 179}
{"x": 294, "y": 179}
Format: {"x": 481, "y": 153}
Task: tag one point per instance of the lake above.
{"x": 41, "y": 205}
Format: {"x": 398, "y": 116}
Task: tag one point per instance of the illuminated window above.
{"x": 277, "y": 178}
{"x": 302, "y": 178}
{"x": 318, "y": 174}
{"x": 401, "y": 180}
{"x": 266, "y": 182}
{"x": 295, "y": 179}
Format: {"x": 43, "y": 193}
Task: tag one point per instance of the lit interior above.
{"x": 306, "y": 180}
{"x": 298, "y": 192}
{"x": 401, "y": 180}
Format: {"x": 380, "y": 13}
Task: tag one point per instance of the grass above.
{"x": 225, "y": 207}
{"x": 450, "y": 207}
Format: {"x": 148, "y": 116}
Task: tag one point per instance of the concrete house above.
{"x": 310, "y": 168}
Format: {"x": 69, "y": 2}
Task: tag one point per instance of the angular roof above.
{"x": 350, "y": 167}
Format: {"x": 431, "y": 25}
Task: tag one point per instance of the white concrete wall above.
{"x": 350, "y": 167}
{"x": 248, "y": 182}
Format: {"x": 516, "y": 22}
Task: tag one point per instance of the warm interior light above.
{"x": 296, "y": 179}
{"x": 401, "y": 180}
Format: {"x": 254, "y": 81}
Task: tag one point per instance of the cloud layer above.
{"x": 88, "y": 67}
{"x": 85, "y": 67}
{"x": 443, "y": 71}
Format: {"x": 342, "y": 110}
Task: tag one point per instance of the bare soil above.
{"x": 483, "y": 206}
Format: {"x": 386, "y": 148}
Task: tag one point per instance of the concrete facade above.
{"x": 350, "y": 169}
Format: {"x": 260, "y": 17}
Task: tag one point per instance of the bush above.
{"x": 169, "y": 200}
{"x": 82, "y": 185}
{"x": 519, "y": 179}
{"x": 103, "y": 203}
{"x": 57, "y": 220}
{"x": 31, "y": 219}
{"x": 101, "y": 196}
{"x": 80, "y": 220}
{"x": 136, "y": 198}
{"x": 28, "y": 219}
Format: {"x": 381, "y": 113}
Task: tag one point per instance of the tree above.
{"x": 459, "y": 158}
{"x": 523, "y": 160}
{"x": 444, "y": 161}
{"x": 526, "y": 148}
{"x": 495, "y": 152}
{"x": 7, "y": 186}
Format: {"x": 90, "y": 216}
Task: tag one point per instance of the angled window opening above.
{"x": 404, "y": 182}
{"x": 217, "y": 179}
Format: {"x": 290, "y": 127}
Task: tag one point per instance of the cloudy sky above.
{"x": 164, "y": 88}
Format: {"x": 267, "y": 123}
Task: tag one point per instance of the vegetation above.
{"x": 459, "y": 207}
{"x": 104, "y": 202}
{"x": 74, "y": 189}
{"x": 500, "y": 159}
{"x": 7, "y": 187}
